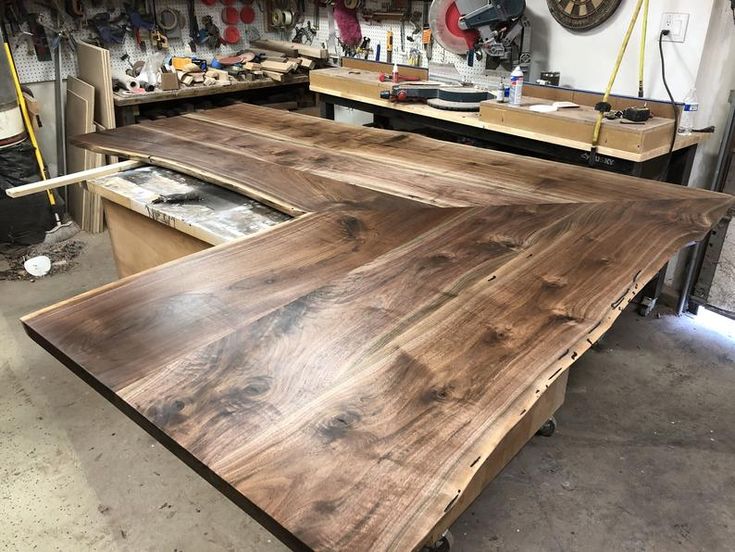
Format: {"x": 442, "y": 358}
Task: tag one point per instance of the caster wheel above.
{"x": 444, "y": 544}
{"x": 548, "y": 429}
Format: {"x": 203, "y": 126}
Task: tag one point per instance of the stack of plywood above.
{"x": 89, "y": 107}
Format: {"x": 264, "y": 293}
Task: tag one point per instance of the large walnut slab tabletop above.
{"x": 344, "y": 376}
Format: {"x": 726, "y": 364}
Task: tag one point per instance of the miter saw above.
{"x": 496, "y": 29}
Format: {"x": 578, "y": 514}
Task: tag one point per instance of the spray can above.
{"x": 516, "y": 86}
{"x": 500, "y": 92}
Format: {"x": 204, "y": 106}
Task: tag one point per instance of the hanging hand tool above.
{"x": 193, "y": 25}
{"x": 364, "y": 48}
{"x": 138, "y": 22}
{"x": 403, "y": 35}
{"x": 40, "y": 40}
{"x": 157, "y": 37}
{"x": 210, "y": 34}
{"x": 108, "y": 31}
{"x": 427, "y": 38}
{"x": 389, "y": 46}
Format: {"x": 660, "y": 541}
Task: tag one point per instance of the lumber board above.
{"x": 410, "y": 71}
{"x": 353, "y": 377}
{"x": 291, "y": 49}
{"x": 279, "y": 67}
{"x": 78, "y": 121}
{"x": 95, "y": 69}
{"x": 67, "y": 179}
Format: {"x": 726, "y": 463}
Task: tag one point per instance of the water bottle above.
{"x": 691, "y": 106}
{"x": 516, "y": 86}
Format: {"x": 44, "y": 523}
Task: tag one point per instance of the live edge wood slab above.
{"x": 345, "y": 375}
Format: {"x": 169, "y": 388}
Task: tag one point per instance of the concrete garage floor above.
{"x": 644, "y": 457}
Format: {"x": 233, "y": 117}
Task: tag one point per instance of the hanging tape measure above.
{"x": 168, "y": 19}
{"x": 281, "y": 18}
{"x": 426, "y": 36}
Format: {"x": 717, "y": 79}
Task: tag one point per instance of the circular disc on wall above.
{"x": 230, "y": 15}
{"x": 247, "y": 15}
{"x": 231, "y": 35}
{"x": 581, "y": 15}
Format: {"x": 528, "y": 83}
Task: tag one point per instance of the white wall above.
{"x": 715, "y": 81}
{"x": 44, "y": 93}
{"x": 586, "y": 59}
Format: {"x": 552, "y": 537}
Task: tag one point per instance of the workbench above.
{"x": 128, "y": 106}
{"x": 564, "y": 135}
{"x": 355, "y": 376}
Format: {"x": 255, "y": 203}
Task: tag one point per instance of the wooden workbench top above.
{"x": 124, "y": 100}
{"x": 571, "y": 128}
{"x": 346, "y": 376}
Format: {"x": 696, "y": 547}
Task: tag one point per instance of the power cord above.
{"x": 665, "y": 32}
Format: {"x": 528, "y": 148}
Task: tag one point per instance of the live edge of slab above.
{"x": 566, "y": 127}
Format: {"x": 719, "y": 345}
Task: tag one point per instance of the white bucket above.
{"x": 11, "y": 123}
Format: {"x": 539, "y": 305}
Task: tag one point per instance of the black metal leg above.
{"x": 652, "y": 291}
{"x": 326, "y": 110}
{"x": 126, "y": 115}
{"x": 380, "y": 121}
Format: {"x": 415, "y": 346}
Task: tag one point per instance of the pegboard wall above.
{"x": 31, "y": 70}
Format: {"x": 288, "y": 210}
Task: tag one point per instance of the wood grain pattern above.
{"x": 348, "y": 376}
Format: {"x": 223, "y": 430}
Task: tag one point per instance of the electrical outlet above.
{"x": 677, "y": 24}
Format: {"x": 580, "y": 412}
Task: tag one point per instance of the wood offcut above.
{"x": 350, "y": 377}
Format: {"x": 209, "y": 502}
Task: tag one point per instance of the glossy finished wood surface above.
{"x": 344, "y": 375}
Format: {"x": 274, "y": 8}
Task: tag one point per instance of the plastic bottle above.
{"x": 500, "y": 92}
{"x": 516, "y": 86}
{"x": 688, "y": 113}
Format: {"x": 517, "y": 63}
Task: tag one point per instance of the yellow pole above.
{"x": 642, "y": 58}
{"x": 29, "y": 128}
{"x": 616, "y": 68}
{"x": 24, "y": 111}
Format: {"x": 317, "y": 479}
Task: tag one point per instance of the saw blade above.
{"x": 444, "y": 22}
